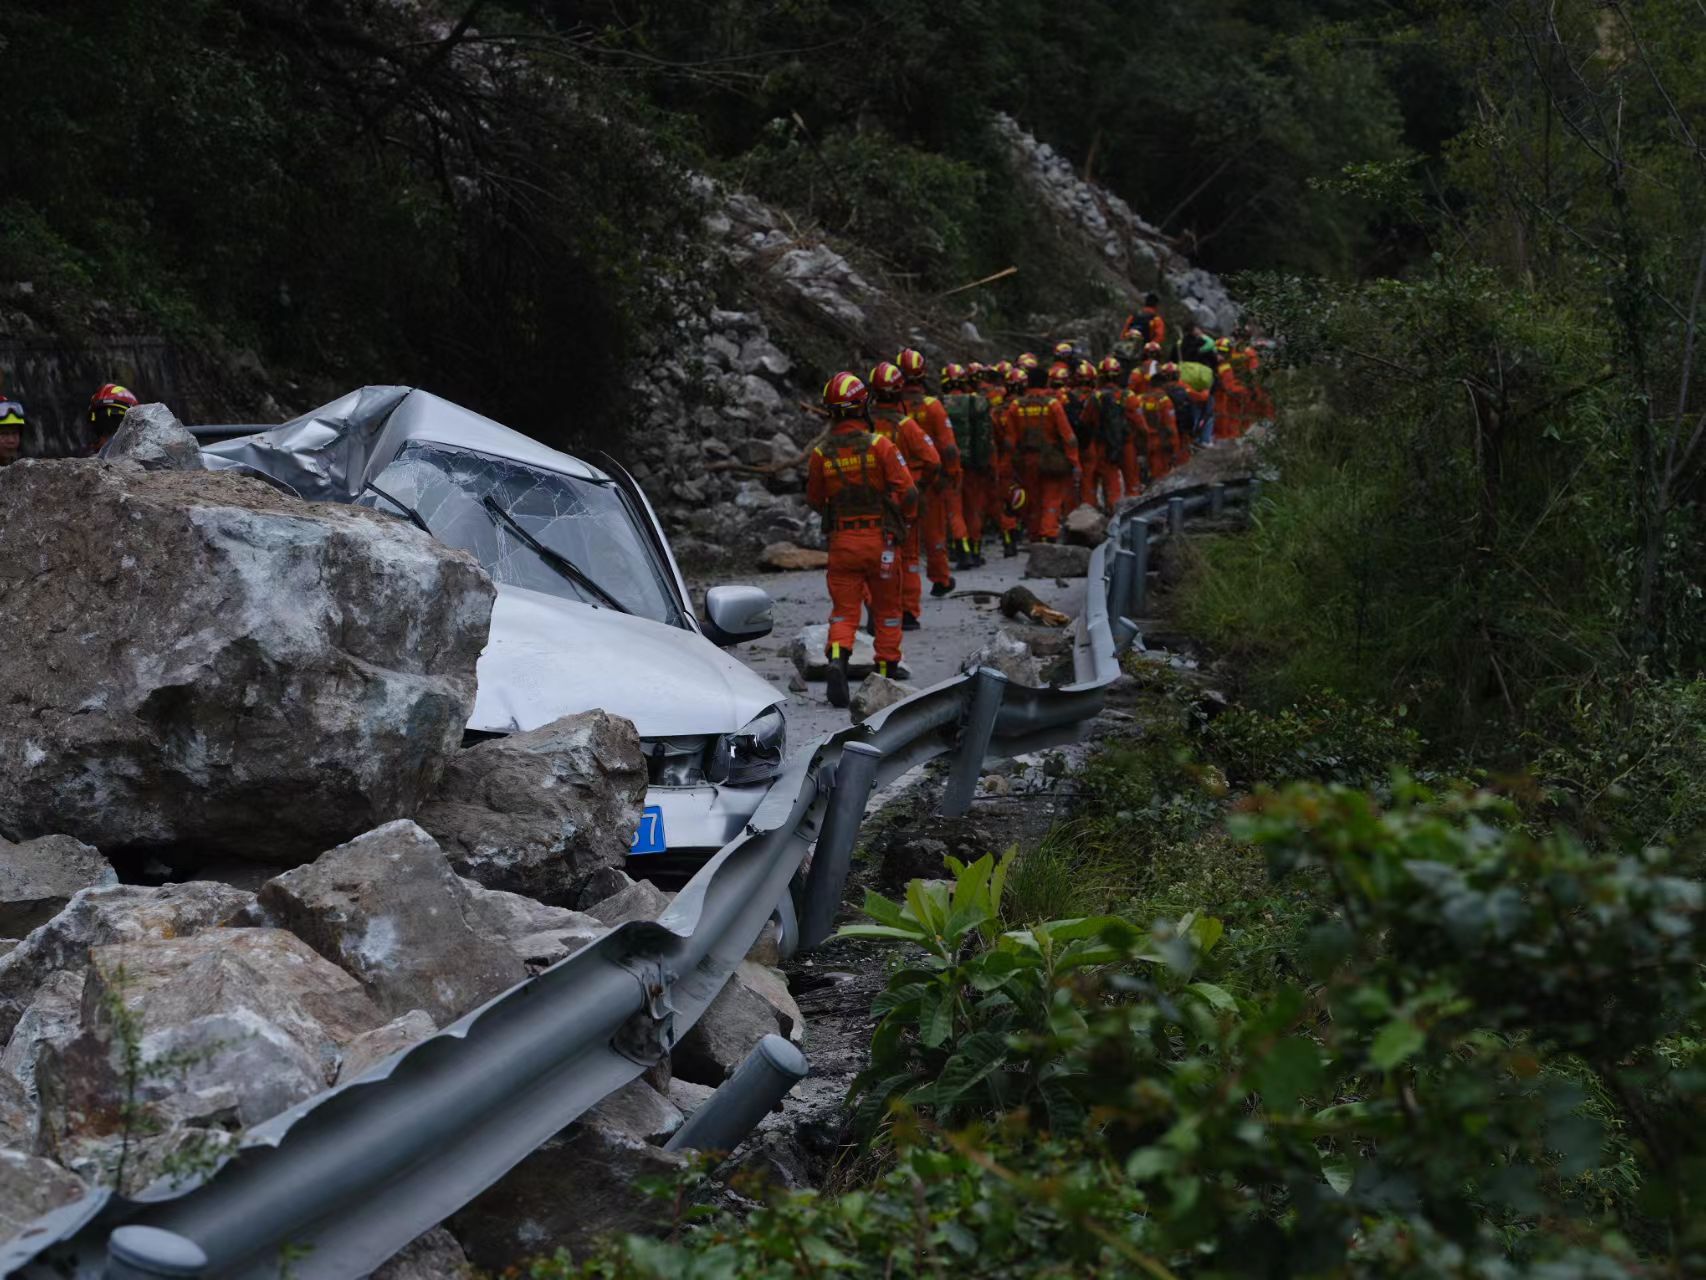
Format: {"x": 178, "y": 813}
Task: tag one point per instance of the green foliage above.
{"x": 1327, "y": 738}
{"x": 1485, "y": 1060}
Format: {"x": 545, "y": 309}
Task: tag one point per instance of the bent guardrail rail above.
{"x": 333, "y": 1187}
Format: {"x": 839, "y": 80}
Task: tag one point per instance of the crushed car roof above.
{"x": 330, "y": 453}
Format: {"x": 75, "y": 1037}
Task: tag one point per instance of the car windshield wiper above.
{"x": 415, "y": 517}
{"x": 555, "y": 559}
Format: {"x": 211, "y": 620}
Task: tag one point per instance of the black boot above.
{"x": 1009, "y": 547}
{"x": 910, "y": 622}
{"x": 974, "y": 553}
{"x": 837, "y": 680}
{"x": 940, "y": 589}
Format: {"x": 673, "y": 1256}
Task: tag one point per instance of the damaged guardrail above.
{"x": 333, "y": 1187}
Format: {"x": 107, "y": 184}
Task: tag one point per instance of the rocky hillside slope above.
{"x": 724, "y": 413}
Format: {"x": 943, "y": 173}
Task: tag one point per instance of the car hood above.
{"x": 546, "y": 658}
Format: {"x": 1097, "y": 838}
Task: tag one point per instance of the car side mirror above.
{"x": 734, "y": 615}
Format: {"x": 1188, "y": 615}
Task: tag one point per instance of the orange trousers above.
{"x": 981, "y": 503}
{"x": 935, "y": 522}
{"x": 1129, "y": 470}
{"x": 1103, "y": 468}
{"x": 953, "y": 491}
{"x": 864, "y": 564}
{"x": 911, "y": 551}
{"x": 1045, "y": 496}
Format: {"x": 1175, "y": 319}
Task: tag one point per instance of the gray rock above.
{"x": 532, "y": 1210}
{"x": 204, "y": 649}
{"x": 31, "y": 1186}
{"x": 232, "y": 1027}
{"x": 877, "y": 693}
{"x": 758, "y": 395}
{"x": 1009, "y": 655}
{"x": 785, "y": 557}
{"x": 771, "y": 986}
{"x": 604, "y": 883}
{"x": 806, "y": 652}
{"x": 641, "y": 900}
{"x": 1049, "y": 560}
{"x": 54, "y": 1017}
{"x": 152, "y": 437}
{"x": 726, "y": 1032}
{"x": 639, "y": 1109}
{"x": 688, "y": 1097}
{"x": 372, "y": 1047}
{"x": 540, "y": 935}
{"x": 538, "y": 812}
{"x": 432, "y": 1256}
{"x": 387, "y": 908}
{"x": 1086, "y": 526}
{"x": 18, "y": 1121}
{"x": 96, "y": 917}
{"x": 38, "y": 877}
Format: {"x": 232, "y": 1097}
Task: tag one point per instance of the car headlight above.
{"x": 752, "y": 755}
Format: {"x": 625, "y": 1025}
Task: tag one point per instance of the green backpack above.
{"x": 969, "y": 414}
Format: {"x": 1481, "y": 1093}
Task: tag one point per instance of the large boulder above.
{"x": 154, "y": 439}
{"x": 96, "y": 917}
{"x": 539, "y": 812}
{"x": 38, "y": 877}
{"x": 745, "y": 1011}
{"x": 1054, "y": 560}
{"x": 31, "y": 1186}
{"x": 230, "y": 1027}
{"x": 54, "y": 1017}
{"x": 387, "y": 909}
{"x": 215, "y": 667}
{"x": 435, "y": 1255}
{"x": 578, "y": 1188}
{"x": 540, "y": 935}
{"x": 640, "y": 900}
{"x": 370, "y": 1048}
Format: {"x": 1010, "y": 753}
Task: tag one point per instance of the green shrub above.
{"x": 1486, "y": 1061}
{"x": 1325, "y": 738}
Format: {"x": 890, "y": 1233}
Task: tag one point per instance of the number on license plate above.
{"x": 650, "y": 838}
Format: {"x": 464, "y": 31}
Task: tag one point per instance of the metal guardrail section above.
{"x": 335, "y": 1186}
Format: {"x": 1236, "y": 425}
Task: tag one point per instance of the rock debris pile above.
{"x": 245, "y": 857}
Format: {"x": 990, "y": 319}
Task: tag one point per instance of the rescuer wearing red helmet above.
{"x": 968, "y": 411}
{"x": 890, "y": 418}
{"x": 859, "y": 482}
{"x": 1047, "y": 453}
{"x": 107, "y": 408}
{"x": 943, "y": 523}
{"x": 1106, "y": 427}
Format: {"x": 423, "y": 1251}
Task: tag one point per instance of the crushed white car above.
{"x": 591, "y": 609}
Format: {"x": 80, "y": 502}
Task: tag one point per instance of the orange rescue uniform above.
{"x": 1047, "y": 455}
{"x": 942, "y": 515}
{"x": 892, "y": 420}
{"x": 860, "y": 483}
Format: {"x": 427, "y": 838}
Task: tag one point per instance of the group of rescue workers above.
{"x": 911, "y": 485}
{"x": 107, "y": 408}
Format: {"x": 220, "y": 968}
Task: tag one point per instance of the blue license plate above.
{"x": 650, "y": 838}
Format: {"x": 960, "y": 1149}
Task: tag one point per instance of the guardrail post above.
{"x": 1119, "y": 589}
{"x": 1139, "y": 567}
{"x": 855, "y": 775}
{"x": 1125, "y": 631}
{"x": 988, "y": 688}
{"x": 725, "y": 1118}
{"x": 1175, "y": 515}
{"x": 141, "y": 1253}
{"x": 1216, "y": 499}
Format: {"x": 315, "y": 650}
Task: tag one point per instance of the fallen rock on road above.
{"x": 539, "y": 813}
{"x": 387, "y": 909}
{"x": 214, "y": 668}
{"x": 1052, "y": 560}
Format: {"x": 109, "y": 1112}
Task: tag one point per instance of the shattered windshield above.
{"x": 470, "y": 499}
